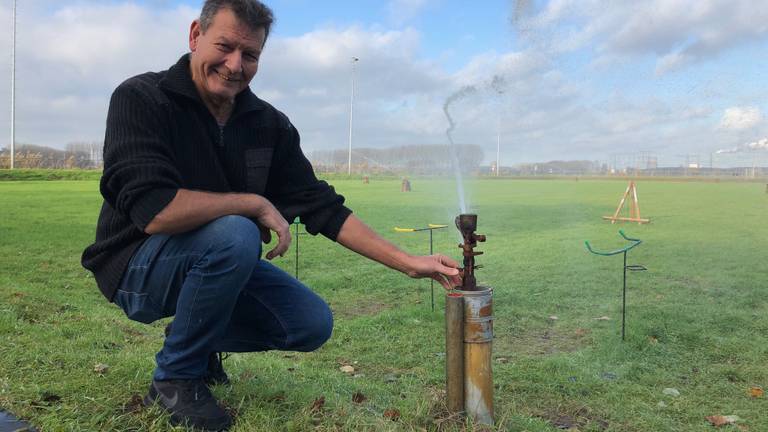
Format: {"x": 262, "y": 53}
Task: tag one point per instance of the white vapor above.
{"x": 759, "y": 145}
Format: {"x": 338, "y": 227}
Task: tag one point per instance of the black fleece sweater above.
{"x": 160, "y": 138}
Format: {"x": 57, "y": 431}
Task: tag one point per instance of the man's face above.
{"x": 224, "y": 58}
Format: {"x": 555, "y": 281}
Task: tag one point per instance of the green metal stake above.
{"x": 430, "y": 228}
{"x": 636, "y": 267}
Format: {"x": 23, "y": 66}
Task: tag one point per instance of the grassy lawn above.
{"x": 697, "y": 321}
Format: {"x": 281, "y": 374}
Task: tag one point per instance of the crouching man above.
{"x": 198, "y": 173}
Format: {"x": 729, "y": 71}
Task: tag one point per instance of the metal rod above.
{"x": 498, "y": 146}
{"x": 297, "y": 251}
{"x": 351, "y": 105}
{"x": 13, "y": 90}
{"x": 431, "y": 281}
{"x": 454, "y": 352}
{"x": 624, "y": 298}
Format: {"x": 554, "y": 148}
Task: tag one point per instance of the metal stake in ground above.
{"x": 430, "y": 228}
{"x": 297, "y": 234}
{"x": 635, "y": 267}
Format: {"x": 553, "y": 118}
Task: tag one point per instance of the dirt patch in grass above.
{"x": 578, "y": 418}
{"x": 542, "y": 342}
{"x": 362, "y": 308}
{"x": 439, "y": 419}
{"x": 134, "y": 405}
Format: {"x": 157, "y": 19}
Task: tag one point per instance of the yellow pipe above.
{"x": 454, "y": 352}
{"x": 478, "y": 339}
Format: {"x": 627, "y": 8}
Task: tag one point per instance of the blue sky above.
{"x": 582, "y": 79}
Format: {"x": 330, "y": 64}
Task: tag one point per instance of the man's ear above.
{"x": 194, "y": 32}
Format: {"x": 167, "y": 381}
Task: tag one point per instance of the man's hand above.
{"x": 271, "y": 220}
{"x": 191, "y": 209}
{"x": 438, "y": 267}
{"x": 358, "y": 237}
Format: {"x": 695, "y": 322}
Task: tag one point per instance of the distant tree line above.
{"x": 411, "y": 159}
{"x": 83, "y": 155}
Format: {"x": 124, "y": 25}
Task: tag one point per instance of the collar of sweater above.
{"x": 178, "y": 79}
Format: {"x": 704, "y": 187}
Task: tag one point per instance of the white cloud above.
{"x": 677, "y": 33}
{"x": 67, "y": 75}
{"x": 741, "y": 118}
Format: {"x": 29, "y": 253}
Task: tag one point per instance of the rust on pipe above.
{"x": 467, "y": 224}
{"x": 478, "y": 339}
{"x": 454, "y": 351}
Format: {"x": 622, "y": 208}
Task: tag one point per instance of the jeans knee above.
{"x": 318, "y": 329}
{"x": 236, "y": 237}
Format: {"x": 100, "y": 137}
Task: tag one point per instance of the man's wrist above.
{"x": 404, "y": 263}
{"x": 253, "y": 204}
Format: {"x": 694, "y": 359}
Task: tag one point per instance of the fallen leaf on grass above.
{"x": 100, "y": 368}
{"x": 502, "y": 360}
{"x": 317, "y": 405}
{"x": 392, "y": 414}
{"x": 756, "y": 392}
{"x": 671, "y": 392}
{"x": 718, "y": 420}
{"x": 553, "y": 318}
{"x": 652, "y": 340}
{"x": 358, "y": 398}
{"x": 602, "y": 318}
{"x": 347, "y": 369}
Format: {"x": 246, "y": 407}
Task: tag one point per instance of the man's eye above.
{"x": 251, "y": 57}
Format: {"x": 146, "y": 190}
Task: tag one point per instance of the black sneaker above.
{"x": 189, "y": 403}
{"x": 215, "y": 373}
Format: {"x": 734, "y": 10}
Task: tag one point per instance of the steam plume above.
{"x": 759, "y": 145}
{"x": 461, "y": 94}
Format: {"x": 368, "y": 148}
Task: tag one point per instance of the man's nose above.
{"x": 235, "y": 62}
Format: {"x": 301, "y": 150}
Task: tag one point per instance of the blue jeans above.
{"x": 223, "y": 295}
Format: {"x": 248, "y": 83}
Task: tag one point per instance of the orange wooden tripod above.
{"x": 634, "y": 207}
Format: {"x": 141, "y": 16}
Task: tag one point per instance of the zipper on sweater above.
{"x": 221, "y": 136}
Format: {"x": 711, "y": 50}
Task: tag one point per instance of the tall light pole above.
{"x": 13, "y": 87}
{"x": 500, "y": 92}
{"x": 351, "y": 109}
{"x": 498, "y": 84}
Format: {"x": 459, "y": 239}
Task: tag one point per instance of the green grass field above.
{"x": 697, "y": 321}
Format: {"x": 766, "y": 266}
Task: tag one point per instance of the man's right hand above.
{"x": 271, "y": 220}
{"x": 190, "y": 209}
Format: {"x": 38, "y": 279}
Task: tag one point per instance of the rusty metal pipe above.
{"x": 454, "y": 351}
{"x": 478, "y": 339}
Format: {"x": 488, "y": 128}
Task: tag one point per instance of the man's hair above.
{"x": 252, "y": 13}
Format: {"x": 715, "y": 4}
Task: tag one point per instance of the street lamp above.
{"x": 13, "y": 88}
{"x": 498, "y": 84}
{"x": 351, "y": 108}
